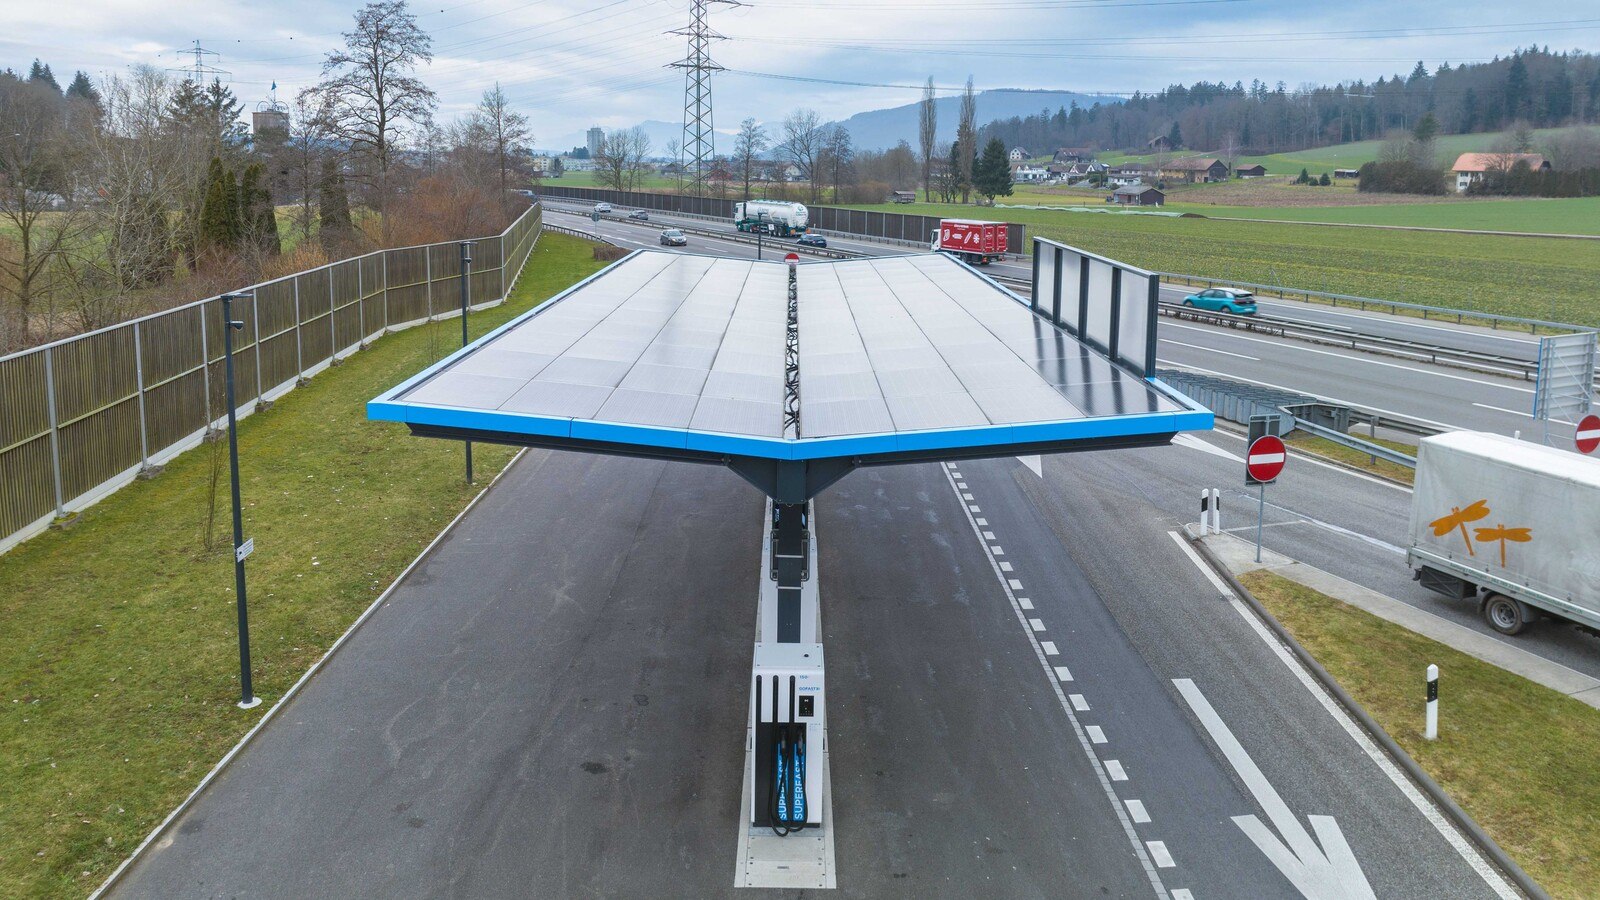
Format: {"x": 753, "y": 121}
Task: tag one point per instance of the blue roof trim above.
{"x": 1192, "y": 419}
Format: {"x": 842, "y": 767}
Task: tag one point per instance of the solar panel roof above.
{"x": 686, "y": 352}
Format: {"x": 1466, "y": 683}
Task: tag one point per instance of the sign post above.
{"x": 1587, "y": 436}
{"x": 241, "y": 548}
{"x": 1263, "y": 463}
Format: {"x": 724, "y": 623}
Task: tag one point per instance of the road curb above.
{"x": 1457, "y": 815}
{"x": 289, "y": 695}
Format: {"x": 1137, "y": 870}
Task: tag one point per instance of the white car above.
{"x": 602, "y": 207}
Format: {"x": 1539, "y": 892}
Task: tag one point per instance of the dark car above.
{"x": 672, "y": 237}
{"x": 640, "y": 215}
{"x": 813, "y": 240}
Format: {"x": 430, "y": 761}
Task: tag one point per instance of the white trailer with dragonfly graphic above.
{"x": 1512, "y": 524}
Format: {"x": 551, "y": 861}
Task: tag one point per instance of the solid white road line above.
{"x": 1328, "y": 872}
{"x": 1034, "y": 463}
{"x": 1443, "y": 826}
{"x": 1184, "y": 439}
{"x": 1210, "y": 349}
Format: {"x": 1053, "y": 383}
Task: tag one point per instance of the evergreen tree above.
{"x": 258, "y": 219}
{"x": 1175, "y": 136}
{"x": 1324, "y": 181}
{"x": 1427, "y": 129}
{"x": 1516, "y": 87}
{"x": 218, "y": 214}
{"x": 41, "y": 73}
{"x": 991, "y": 175}
{"x": 333, "y": 206}
{"x": 1304, "y": 178}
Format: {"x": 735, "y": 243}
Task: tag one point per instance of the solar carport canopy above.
{"x": 684, "y": 356}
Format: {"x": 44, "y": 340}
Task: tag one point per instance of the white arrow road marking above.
{"x": 1036, "y": 463}
{"x": 1329, "y": 872}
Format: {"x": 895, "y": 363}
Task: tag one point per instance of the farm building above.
{"x": 1196, "y": 170}
{"x": 1469, "y": 167}
{"x": 1018, "y": 154}
{"x": 1255, "y": 171}
{"x": 1138, "y": 195}
{"x": 1347, "y": 173}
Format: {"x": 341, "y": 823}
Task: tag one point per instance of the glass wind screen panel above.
{"x": 1071, "y": 263}
{"x": 1133, "y": 321}
{"x": 1047, "y": 258}
{"x": 1098, "y": 303}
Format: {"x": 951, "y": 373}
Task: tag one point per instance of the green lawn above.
{"x": 121, "y": 669}
{"x": 1516, "y": 756}
{"x": 1533, "y": 277}
{"x": 590, "y": 179}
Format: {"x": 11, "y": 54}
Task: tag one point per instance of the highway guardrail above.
{"x": 734, "y": 237}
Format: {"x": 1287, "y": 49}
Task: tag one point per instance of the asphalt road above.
{"x": 553, "y": 705}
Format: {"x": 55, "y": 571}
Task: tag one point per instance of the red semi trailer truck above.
{"x": 973, "y": 241}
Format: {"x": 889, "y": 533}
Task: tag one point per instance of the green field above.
{"x": 118, "y": 634}
{"x": 590, "y": 179}
{"x": 1523, "y": 276}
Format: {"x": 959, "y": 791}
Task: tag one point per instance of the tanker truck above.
{"x": 771, "y": 217}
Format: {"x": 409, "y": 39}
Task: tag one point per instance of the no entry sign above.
{"x": 1588, "y": 435}
{"x": 1264, "y": 460}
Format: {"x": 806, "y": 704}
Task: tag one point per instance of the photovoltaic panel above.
{"x": 678, "y": 350}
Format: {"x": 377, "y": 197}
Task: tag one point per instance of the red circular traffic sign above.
{"x": 792, "y": 258}
{"x": 1265, "y": 458}
{"x": 1588, "y": 435}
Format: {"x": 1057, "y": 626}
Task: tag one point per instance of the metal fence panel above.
{"x": 77, "y": 414}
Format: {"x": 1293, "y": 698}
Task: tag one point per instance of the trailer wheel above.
{"x": 1506, "y": 615}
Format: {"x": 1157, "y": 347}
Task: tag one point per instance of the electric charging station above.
{"x": 789, "y": 720}
{"x": 909, "y": 359}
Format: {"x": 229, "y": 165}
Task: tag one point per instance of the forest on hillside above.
{"x": 1533, "y": 86}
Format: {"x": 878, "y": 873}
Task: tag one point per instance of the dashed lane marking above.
{"x": 1063, "y": 673}
{"x": 1025, "y": 603}
{"x": 1097, "y": 735}
{"x": 1049, "y": 648}
{"x": 1079, "y": 703}
{"x": 1158, "y": 852}
{"x": 1137, "y": 811}
{"x": 1114, "y": 767}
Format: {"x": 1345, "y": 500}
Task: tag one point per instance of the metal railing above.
{"x": 82, "y": 416}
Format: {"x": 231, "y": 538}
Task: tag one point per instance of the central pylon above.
{"x": 698, "y": 150}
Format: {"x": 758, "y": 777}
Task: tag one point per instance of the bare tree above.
{"x": 839, "y": 153}
{"x": 674, "y": 149}
{"x": 307, "y": 145}
{"x": 802, "y": 142}
{"x": 747, "y": 149}
{"x": 967, "y": 140}
{"x": 373, "y": 92}
{"x": 927, "y": 135}
{"x": 621, "y": 158}
{"x": 507, "y": 131}
{"x": 39, "y": 162}
{"x": 136, "y": 168}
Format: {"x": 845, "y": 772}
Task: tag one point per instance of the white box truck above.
{"x": 1511, "y": 524}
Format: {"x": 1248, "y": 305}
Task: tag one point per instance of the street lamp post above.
{"x": 466, "y": 300}
{"x": 761, "y": 228}
{"x": 241, "y": 549}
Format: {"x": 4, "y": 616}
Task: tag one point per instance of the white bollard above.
{"x": 1205, "y": 510}
{"x": 1431, "y": 730}
{"x": 1216, "y": 510}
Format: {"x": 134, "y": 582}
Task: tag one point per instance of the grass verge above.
{"x": 1516, "y": 756}
{"x": 1318, "y": 446}
{"x": 118, "y": 635}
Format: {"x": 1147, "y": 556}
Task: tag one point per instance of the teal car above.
{"x": 1228, "y": 300}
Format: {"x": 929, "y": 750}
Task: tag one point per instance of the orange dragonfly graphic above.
{"x": 1502, "y": 534}
{"x": 1459, "y": 518}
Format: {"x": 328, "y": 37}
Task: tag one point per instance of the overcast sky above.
{"x": 573, "y": 63}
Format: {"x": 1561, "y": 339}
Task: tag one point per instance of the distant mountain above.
{"x": 883, "y": 128}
